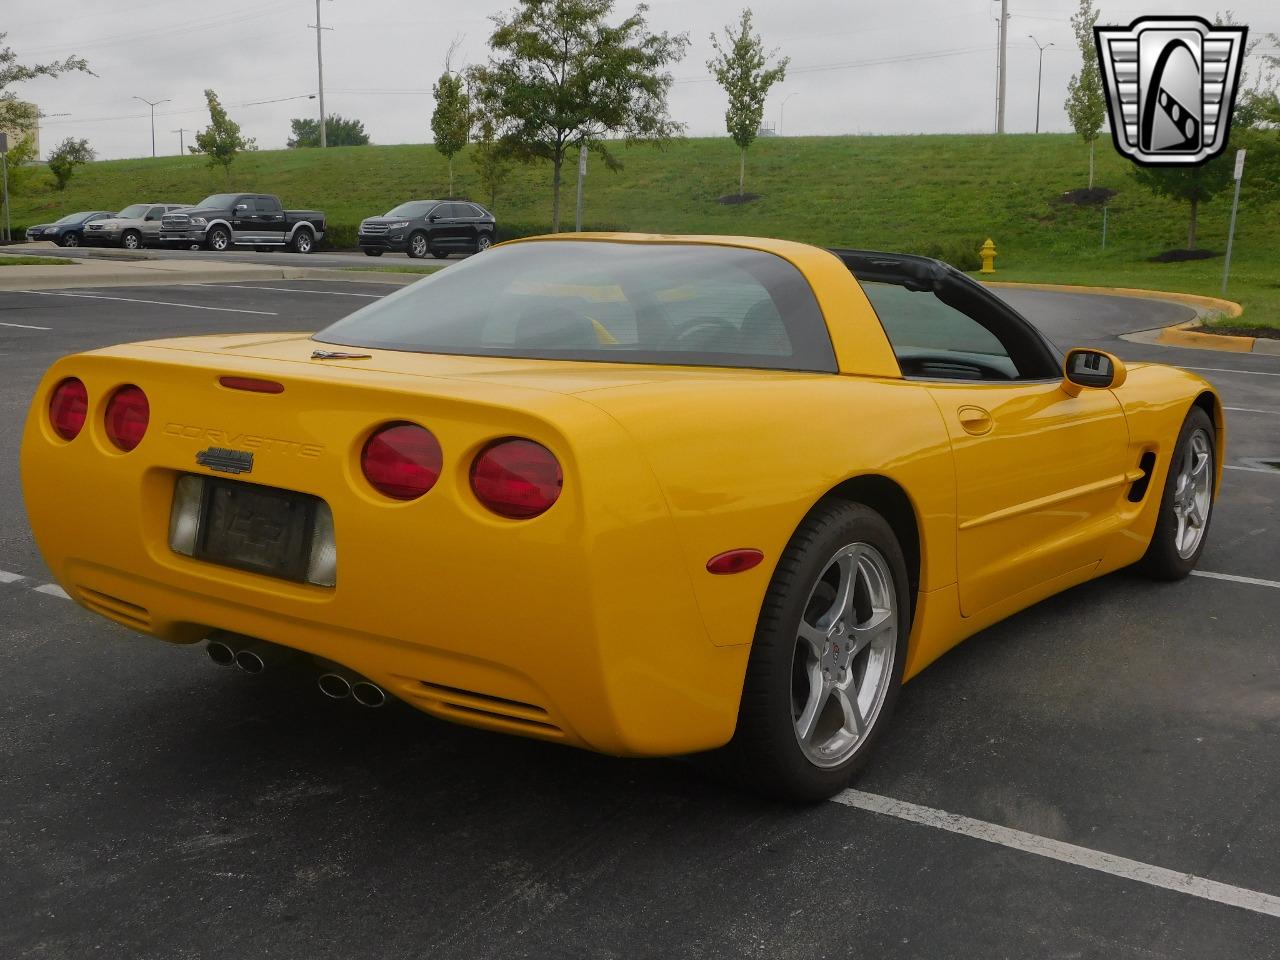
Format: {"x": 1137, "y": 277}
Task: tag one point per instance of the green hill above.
{"x": 940, "y": 195}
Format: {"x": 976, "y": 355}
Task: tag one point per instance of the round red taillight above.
{"x": 128, "y": 414}
{"x": 516, "y": 478}
{"x": 68, "y": 407}
{"x": 402, "y": 460}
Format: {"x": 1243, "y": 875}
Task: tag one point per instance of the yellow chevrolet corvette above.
{"x": 646, "y": 495}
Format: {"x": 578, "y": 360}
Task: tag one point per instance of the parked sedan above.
{"x": 69, "y": 231}
{"x": 437, "y": 227}
{"x": 137, "y": 225}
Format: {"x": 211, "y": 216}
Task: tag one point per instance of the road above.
{"x": 153, "y": 805}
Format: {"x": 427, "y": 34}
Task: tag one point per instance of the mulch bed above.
{"x": 733, "y": 198}
{"x": 1086, "y": 196}
{"x": 1266, "y": 333}
{"x": 1181, "y": 256}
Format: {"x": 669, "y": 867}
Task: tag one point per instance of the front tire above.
{"x": 419, "y": 246}
{"x": 826, "y": 664}
{"x": 69, "y": 240}
{"x": 132, "y": 240}
{"x": 303, "y": 242}
{"x": 219, "y": 239}
{"x": 1186, "y": 504}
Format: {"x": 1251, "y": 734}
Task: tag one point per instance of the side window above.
{"x": 268, "y": 205}
{"x": 439, "y": 211}
{"x": 247, "y": 203}
{"x": 474, "y": 211}
{"x": 455, "y": 211}
{"x": 155, "y": 213}
{"x": 936, "y": 341}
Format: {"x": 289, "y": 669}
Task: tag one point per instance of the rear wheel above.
{"x": 132, "y": 240}
{"x": 440, "y": 254}
{"x": 303, "y": 241}
{"x": 219, "y": 239}
{"x": 372, "y": 253}
{"x": 826, "y": 664}
{"x": 483, "y": 242}
{"x": 418, "y": 245}
{"x": 1186, "y": 504}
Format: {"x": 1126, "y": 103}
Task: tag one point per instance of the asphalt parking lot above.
{"x": 155, "y": 806}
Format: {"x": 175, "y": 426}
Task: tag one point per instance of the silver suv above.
{"x": 137, "y": 225}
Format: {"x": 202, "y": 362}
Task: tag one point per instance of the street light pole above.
{"x": 318, "y": 28}
{"x": 1039, "y": 76}
{"x": 152, "y": 104}
{"x": 1004, "y": 62}
{"x": 783, "y": 109}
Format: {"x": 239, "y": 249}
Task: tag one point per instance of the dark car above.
{"x": 69, "y": 231}
{"x": 437, "y": 227}
{"x": 224, "y": 220}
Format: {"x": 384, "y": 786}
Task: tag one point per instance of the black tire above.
{"x": 218, "y": 240}
{"x": 69, "y": 240}
{"x": 418, "y": 246}
{"x": 765, "y": 752}
{"x": 483, "y": 241}
{"x": 131, "y": 240}
{"x": 372, "y": 253}
{"x": 1163, "y": 561}
{"x": 440, "y": 254}
{"x": 304, "y": 241}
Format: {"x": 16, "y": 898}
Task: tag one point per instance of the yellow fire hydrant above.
{"x": 988, "y": 254}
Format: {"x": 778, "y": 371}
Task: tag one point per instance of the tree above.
{"x": 15, "y": 114}
{"x": 1086, "y": 104}
{"x": 221, "y": 140}
{"x": 560, "y": 77}
{"x": 741, "y": 67}
{"x": 66, "y": 156}
{"x": 18, "y": 162}
{"x": 1192, "y": 185}
{"x": 491, "y": 160}
{"x": 451, "y": 119}
{"x": 338, "y": 132}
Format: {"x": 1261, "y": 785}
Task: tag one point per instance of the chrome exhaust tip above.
{"x": 334, "y": 686}
{"x": 220, "y": 653}
{"x": 250, "y": 662}
{"x": 368, "y": 694}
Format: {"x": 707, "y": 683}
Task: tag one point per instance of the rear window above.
{"x": 621, "y": 302}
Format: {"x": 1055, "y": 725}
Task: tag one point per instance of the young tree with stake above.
{"x": 1086, "y": 105}
{"x": 451, "y": 119}
{"x": 741, "y": 67}
{"x": 561, "y": 76}
{"x": 221, "y": 141}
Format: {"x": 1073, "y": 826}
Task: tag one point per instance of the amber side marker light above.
{"x": 252, "y": 384}
{"x": 734, "y": 561}
{"x": 68, "y": 407}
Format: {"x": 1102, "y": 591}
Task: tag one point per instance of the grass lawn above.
{"x": 24, "y": 261}
{"x": 941, "y": 195}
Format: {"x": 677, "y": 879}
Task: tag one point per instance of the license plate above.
{"x": 256, "y": 528}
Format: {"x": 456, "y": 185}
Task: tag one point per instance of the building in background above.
{"x": 17, "y": 131}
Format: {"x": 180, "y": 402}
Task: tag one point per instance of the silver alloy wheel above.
{"x": 482, "y": 243}
{"x": 419, "y": 244}
{"x": 71, "y": 240}
{"x": 1192, "y": 493}
{"x": 219, "y": 240}
{"x": 302, "y": 242}
{"x": 843, "y": 660}
{"x": 131, "y": 241}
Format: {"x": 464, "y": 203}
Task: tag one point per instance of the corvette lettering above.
{"x": 243, "y": 441}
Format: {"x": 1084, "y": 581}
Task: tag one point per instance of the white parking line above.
{"x": 323, "y": 293}
{"x": 1232, "y": 466}
{"x": 1234, "y": 578}
{"x": 7, "y": 577}
{"x": 1123, "y": 867}
{"x": 1256, "y": 373}
{"x": 1273, "y": 413}
{"x": 24, "y": 326}
{"x": 158, "y": 303}
{"x": 52, "y": 590}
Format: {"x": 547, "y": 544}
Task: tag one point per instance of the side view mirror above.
{"x": 433, "y": 218}
{"x": 148, "y": 217}
{"x": 1092, "y": 368}
{"x": 241, "y": 207}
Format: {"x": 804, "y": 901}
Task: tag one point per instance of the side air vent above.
{"x": 473, "y": 707}
{"x": 1147, "y": 464}
{"x": 113, "y": 608}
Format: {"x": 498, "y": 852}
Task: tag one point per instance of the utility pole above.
{"x": 1004, "y": 62}
{"x": 582, "y": 176}
{"x": 40, "y": 116}
{"x": 319, "y": 28}
{"x": 182, "y": 143}
{"x": 1039, "y": 76}
{"x": 783, "y": 109}
{"x": 152, "y": 104}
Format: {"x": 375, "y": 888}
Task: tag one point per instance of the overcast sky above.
{"x": 857, "y": 66}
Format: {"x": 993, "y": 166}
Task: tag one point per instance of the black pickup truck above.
{"x": 242, "y": 219}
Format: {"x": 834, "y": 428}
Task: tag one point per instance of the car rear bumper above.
{"x": 580, "y": 626}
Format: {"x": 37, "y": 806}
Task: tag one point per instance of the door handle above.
{"x": 975, "y": 420}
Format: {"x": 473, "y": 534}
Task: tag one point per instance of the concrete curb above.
{"x": 1179, "y": 335}
{"x": 361, "y": 276}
